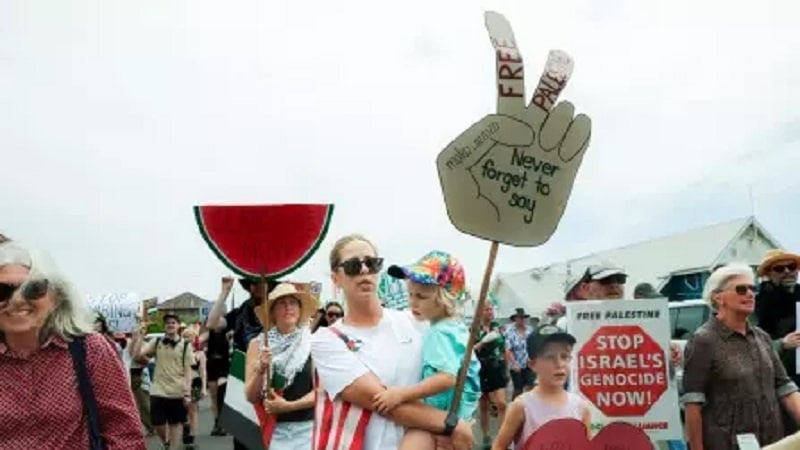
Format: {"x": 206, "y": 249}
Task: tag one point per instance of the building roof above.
{"x": 653, "y": 261}
{"x": 187, "y": 300}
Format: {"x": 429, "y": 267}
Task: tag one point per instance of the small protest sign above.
{"x": 622, "y": 364}
{"x": 508, "y": 177}
{"x": 570, "y": 434}
{"x": 119, "y": 309}
{"x": 622, "y": 370}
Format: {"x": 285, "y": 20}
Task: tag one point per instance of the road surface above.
{"x": 205, "y": 442}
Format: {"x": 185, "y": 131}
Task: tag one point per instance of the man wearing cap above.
{"x": 603, "y": 281}
{"x": 516, "y": 335}
{"x": 170, "y": 393}
{"x": 776, "y": 312}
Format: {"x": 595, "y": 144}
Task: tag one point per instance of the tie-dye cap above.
{"x": 437, "y": 268}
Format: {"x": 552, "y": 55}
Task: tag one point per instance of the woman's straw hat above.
{"x": 309, "y": 302}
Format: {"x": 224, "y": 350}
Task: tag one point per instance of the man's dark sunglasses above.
{"x": 781, "y": 268}
{"x": 334, "y": 314}
{"x": 32, "y": 290}
{"x": 352, "y": 266}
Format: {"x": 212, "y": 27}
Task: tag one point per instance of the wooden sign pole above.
{"x": 262, "y": 292}
{"x": 473, "y": 330}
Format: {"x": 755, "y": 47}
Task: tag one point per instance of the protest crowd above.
{"x": 318, "y": 374}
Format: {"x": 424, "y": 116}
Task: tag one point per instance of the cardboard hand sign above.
{"x": 508, "y": 177}
{"x": 570, "y": 434}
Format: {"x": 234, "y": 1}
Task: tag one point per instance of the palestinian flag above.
{"x": 238, "y": 415}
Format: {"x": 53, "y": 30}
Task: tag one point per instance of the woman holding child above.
{"x": 371, "y": 349}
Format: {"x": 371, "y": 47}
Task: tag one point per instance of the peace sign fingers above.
{"x": 557, "y": 72}
{"x": 510, "y": 68}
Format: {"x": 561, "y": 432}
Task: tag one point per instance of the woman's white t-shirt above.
{"x": 392, "y": 351}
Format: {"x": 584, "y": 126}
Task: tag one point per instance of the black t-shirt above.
{"x": 303, "y": 384}
{"x": 217, "y": 346}
{"x": 244, "y": 324}
{"x": 776, "y": 314}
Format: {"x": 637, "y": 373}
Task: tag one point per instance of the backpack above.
{"x": 183, "y": 355}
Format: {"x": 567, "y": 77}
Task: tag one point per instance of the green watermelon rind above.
{"x": 198, "y": 216}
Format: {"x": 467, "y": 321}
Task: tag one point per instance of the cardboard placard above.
{"x": 570, "y": 434}
{"x": 119, "y": 309}
{"x": 508, "y": 177}
{"x": 621, "y": 364}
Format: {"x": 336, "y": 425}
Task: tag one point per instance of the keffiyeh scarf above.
{"x": 290, "y": 353}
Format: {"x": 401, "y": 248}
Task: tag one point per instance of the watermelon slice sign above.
{"x": 269, "y": 240}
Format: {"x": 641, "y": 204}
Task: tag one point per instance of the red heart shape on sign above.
{"x": 570, "y": 434}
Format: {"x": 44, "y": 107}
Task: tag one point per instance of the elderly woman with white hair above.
{"x": 733, "y": 381}
{"x": 62, "y": 387}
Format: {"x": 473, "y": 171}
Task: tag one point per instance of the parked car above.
{"x": 685, "y": 318}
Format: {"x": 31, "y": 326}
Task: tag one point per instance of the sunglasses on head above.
{"x": 353, "y": 266}
{"x": 781, "y": 268}
{"x": 32, "y": 290}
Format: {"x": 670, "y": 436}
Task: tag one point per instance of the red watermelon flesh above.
{"x": 273, "y": 240}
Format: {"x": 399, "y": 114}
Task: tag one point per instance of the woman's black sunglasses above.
{"x": 352, "y": 266}
{"x": 32, "y": 290}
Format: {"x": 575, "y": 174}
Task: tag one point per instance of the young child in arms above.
{"x": 550, "y": 357}
{"x": 436, "y": 286}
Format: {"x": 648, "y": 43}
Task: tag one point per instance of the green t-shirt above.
{"x": 494, "y": 351}
{"x": 443, "y": 349}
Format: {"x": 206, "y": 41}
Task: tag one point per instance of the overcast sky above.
{"x": 117, "y": 117}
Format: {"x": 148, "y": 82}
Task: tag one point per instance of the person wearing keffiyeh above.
{"x": 278, "y": 378}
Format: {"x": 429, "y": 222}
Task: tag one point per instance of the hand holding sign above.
{"x": 508, "y": 177}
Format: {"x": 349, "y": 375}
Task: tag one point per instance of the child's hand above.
{"x": 389, "y": 399}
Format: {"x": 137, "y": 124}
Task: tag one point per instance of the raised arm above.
{"x": 216, "y": 321}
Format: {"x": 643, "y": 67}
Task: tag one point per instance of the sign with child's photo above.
{"x": 621, "y": 364}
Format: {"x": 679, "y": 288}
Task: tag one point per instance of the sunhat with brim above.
{"x": 773, "y": 256}
{"x": 308, "y": 303}
{"x": 436, "y": 268}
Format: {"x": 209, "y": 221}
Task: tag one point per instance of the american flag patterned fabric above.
{"x": 338, "y": 425}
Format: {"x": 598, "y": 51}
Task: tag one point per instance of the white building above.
{"x": 675, "y": 265}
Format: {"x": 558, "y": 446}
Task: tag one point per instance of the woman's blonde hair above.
{"x": 69, "y": 317}
{"x": 335, "y": 255}
{"x": 720, "y": 277}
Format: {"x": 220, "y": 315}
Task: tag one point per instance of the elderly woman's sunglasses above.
{"x": 32, "y": 290}
{"x": 742, "y": 289}
{"x": 352, "y": 266}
